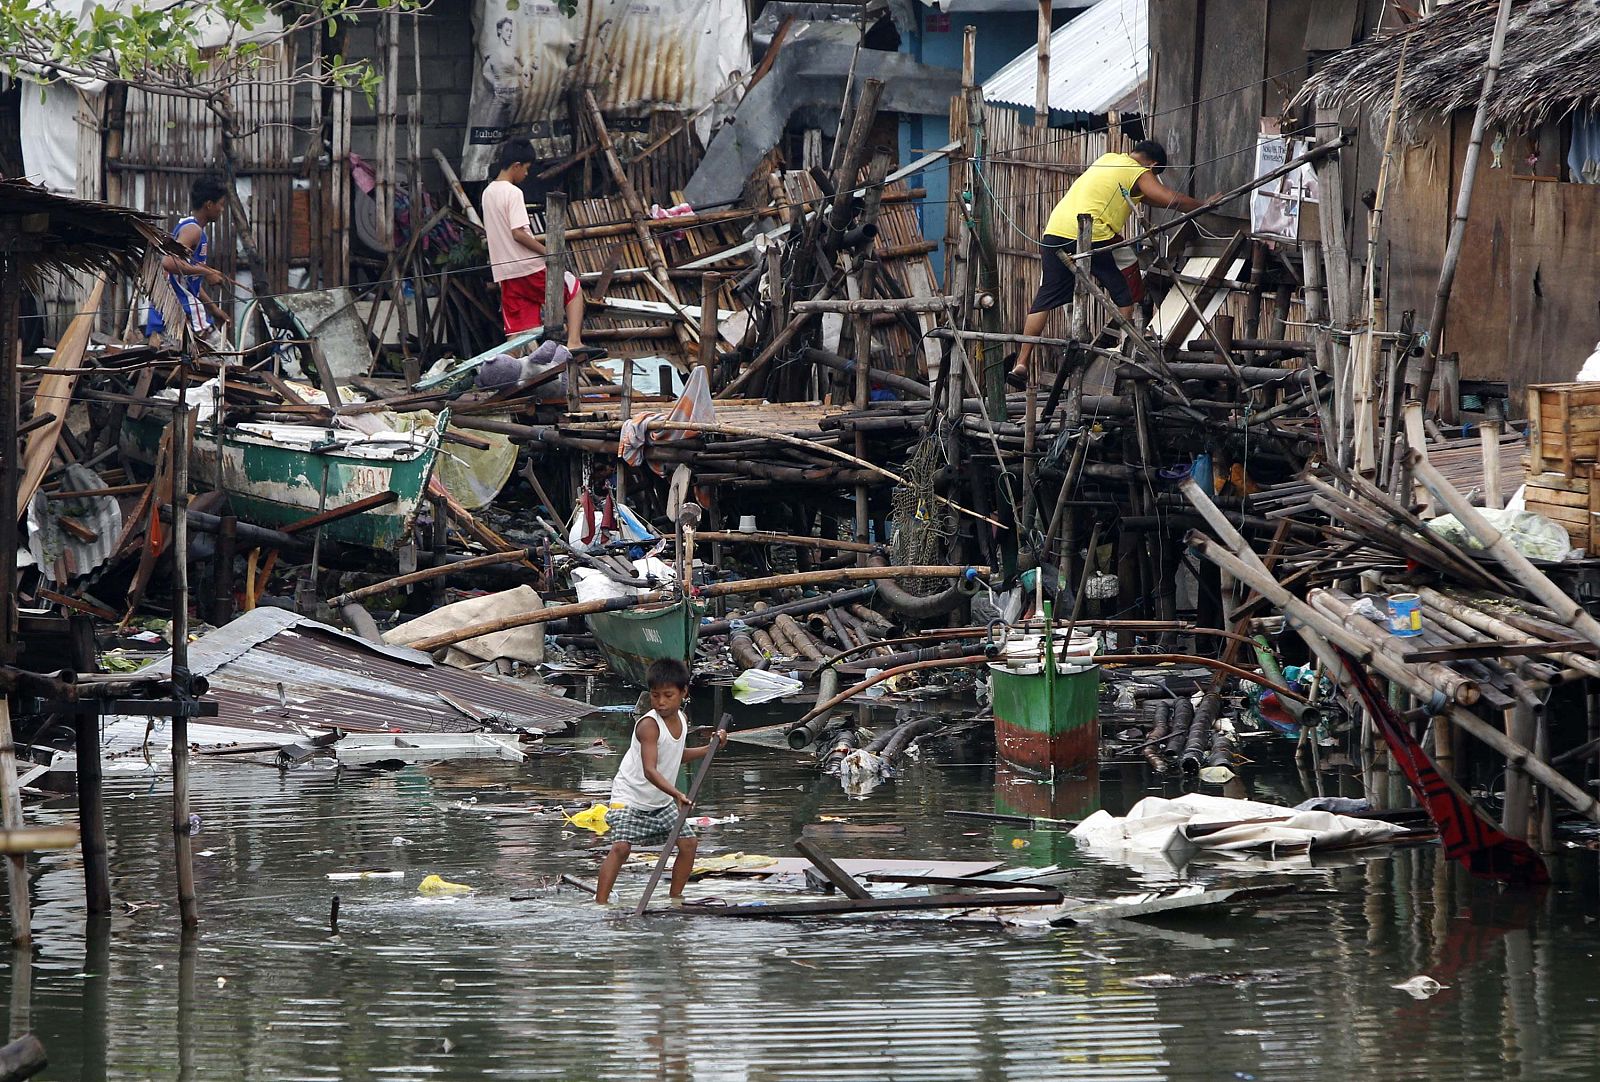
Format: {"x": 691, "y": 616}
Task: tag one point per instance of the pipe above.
{"x": 361, "y": 621}
{"x": 915, "y": 666}
{"x": 792, "y": 608}
{"x": 917, "y": 607}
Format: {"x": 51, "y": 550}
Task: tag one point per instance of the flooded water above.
{"x": 1297, "y": 986}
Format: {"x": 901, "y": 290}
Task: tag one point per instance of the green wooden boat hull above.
{"x": 273, "y": 485}
{"x": 1048, "y": 725}
{"x": 1047, "y": 720}
{"x": 632, "y": 638}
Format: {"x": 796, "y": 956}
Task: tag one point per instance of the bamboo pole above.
{"x": 1489, "y": 434}
{"x": 1481, "y": 620}
{"x": 647, "y": 241}
{"x": 1365, "y": 404}
{"x": 454, "y": 183}
{"x": 1235, "y": 556}
{"x": 427, "y": 573}
{"x": 840, "y": 574}
{"x": 720, "y": 589}
{"x": 1461, "y": 689}
{"x": 796, "y": 441}
{"x": 683, "y": 813}
{"x": 1458, "y": 227}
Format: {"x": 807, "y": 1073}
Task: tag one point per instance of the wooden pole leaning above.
{"x": 683, "y": 814}
{"x": 1535, "y": 581}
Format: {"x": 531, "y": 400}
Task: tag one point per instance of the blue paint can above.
{"x": 1405, "y": 615}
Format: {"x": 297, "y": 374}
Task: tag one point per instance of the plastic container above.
{"x": 1405, "y": 615}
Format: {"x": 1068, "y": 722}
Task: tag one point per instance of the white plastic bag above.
{"x": 760, "y": 686}
{"x": 1535, "y": 536}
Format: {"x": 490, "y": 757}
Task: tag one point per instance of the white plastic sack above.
{"x": 1535, "y": 536}
{"x": 759, "y": 686}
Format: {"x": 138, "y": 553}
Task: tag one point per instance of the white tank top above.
{"x": 631, "y": 787}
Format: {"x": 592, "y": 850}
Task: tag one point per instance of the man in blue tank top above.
{"x": 189, "y": 275}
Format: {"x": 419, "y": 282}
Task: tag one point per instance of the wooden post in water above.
{"x": 1522, "y": 727}
{"x": 91, "y": 798}
{"x": 182, "y": 688}
{"x": 10, "y": 794}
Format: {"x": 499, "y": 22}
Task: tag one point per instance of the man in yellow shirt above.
{"x": 1106, "y": 191}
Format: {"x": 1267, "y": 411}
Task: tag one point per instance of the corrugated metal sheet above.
{"x": 274, "y": 672}
{"x": 1097, "y": 61}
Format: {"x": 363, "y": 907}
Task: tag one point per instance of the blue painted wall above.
{"x": 1002, "y": 36}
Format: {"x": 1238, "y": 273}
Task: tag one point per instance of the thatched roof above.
{"x": 59, "y": 233}
{"x": 1551, "y": 65}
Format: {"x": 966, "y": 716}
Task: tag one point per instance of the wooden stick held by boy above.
{"x": 654, "y": 809}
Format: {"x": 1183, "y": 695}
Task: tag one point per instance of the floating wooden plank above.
{"x": 832, "y": 872}
{"x": 981, "y": 900}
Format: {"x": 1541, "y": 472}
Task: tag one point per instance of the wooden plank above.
{"x": 1227, "y": 118}
{"x": 1174, "y": 29}
{"x": 1286, "y": 60}
{"x": 1416, "y": 222}
{"x": 1554, "y": 279}
{"x": 1480, "y": 326}
{"x": 1331, "y": 25}
{"x": 981, "y": 900}
{"x": 54, "y": 395}
{"x": 832, "y": 872}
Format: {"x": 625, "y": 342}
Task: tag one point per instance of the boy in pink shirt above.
{"x": 516, "y": 256}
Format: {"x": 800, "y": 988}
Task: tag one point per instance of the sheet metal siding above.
{"x": 1096, "y": 61}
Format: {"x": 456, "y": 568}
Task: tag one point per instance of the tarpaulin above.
{"x": 639, "y": 55}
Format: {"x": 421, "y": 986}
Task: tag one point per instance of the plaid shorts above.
{"x": 645, "y": 826}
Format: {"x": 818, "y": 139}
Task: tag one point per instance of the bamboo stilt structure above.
{"x": 1458, "y": 226}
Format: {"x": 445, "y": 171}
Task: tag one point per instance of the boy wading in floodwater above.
{"x": 646, "y": 782}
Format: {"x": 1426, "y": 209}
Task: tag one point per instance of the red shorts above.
{"x": 522, "y": 301}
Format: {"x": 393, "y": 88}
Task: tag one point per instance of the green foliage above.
{"x": 159, "y": 46}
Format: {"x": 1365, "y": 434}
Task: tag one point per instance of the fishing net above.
{"x": 921, "y": 526}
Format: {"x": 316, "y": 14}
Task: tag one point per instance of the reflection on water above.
{"x": 478, "y": 986}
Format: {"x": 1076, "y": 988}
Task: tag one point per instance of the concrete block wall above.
{"x": 448, "y": 53}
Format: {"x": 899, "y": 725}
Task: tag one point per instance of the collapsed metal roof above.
{"x": 277, "y": 673}
{"x": 1098, "y": 62}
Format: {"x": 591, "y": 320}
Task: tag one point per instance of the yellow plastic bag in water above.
{"x": 592, "y": 819}
{"x": 434, "y": 884}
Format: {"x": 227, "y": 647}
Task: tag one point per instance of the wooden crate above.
{"x": 1563, "y": 426}
{"x": 1573, "y": 502}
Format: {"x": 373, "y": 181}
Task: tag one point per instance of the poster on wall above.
{"x": 638, "y": 55}
{"x": 1275, "y": 209}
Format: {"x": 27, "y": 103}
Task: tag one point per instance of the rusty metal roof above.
{"x": 276, "y": 672}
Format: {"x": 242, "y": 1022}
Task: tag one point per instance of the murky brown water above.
{"x": 1295, "y": 987}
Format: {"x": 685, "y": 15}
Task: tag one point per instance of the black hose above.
{"x": 1199, "y": 736}
{"x": 917, "y": 606}
{"x": 1182, "y": 721}
{"x": 1161, "y": 713}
